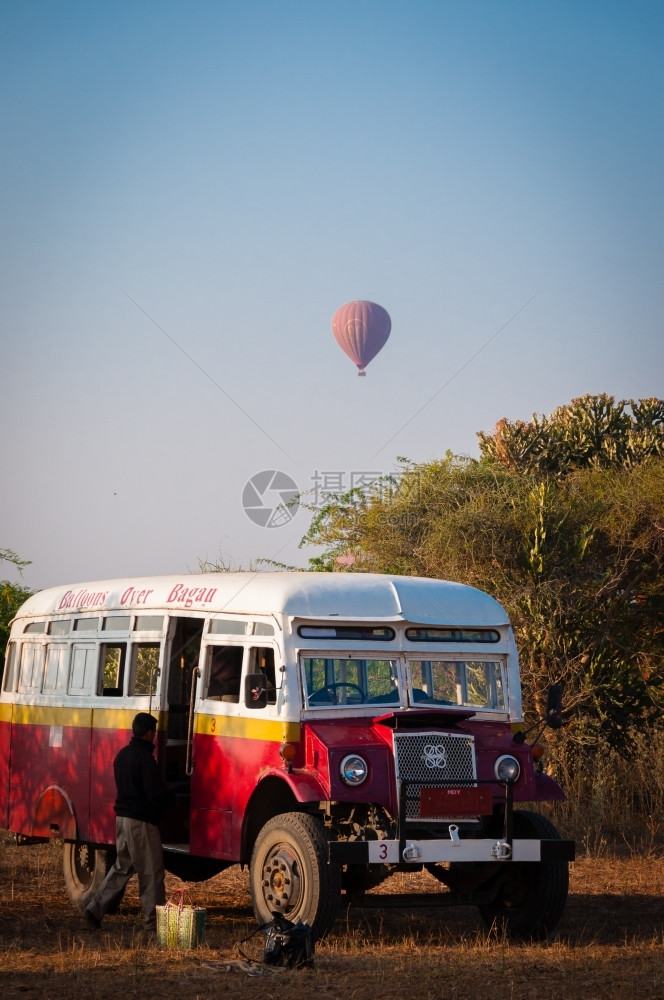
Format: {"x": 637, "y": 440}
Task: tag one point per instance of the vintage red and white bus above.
{"x": 324, "y": 729}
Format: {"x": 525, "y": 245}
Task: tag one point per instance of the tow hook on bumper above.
{"x": 501, "y": 850}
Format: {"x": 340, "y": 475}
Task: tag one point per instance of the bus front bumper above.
{"x": 418, "y": 852}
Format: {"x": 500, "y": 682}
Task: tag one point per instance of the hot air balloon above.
{"x": 361, "y": 329}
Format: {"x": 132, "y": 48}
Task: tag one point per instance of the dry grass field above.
{"x": 609, "y": 944}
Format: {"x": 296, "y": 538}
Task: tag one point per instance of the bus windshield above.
{"x": 350, "y": 681}
{"x": 472, "y": 683}
{"x": 359, "y": 680}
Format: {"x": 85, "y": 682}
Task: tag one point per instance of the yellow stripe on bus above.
{"x": 53, "y": 715}
{"x": 269, "y": 730}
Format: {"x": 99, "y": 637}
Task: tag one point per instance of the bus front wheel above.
{"x": 290, "y": 873}
{"x": 532, "y": 895}
{"x": 85, "y": 869}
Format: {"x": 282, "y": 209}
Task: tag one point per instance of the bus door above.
{"x": 236, "y": 739}
{"x": 217, "y": 749}
{"x": 182, "y": 658}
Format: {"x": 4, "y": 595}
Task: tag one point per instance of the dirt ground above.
{"x": 609, "y": 944}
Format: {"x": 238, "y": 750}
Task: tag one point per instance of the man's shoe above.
{"x": 93, "y": 922}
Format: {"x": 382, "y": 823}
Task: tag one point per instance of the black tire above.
{"x": 85, "y": 869}
{"x": 532, "y": 896}
{"x": 290, "y": 873}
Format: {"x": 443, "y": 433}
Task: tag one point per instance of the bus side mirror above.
{"x": 554, "y": 707}
{"x": 255, "y": 690}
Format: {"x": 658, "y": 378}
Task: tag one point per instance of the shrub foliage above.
{"x": 562, "y": 520}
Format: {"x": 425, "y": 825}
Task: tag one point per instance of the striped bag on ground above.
{"x": 180, "y": 925}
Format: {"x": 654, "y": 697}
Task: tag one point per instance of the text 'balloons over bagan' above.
{"x": 361, "y": 329}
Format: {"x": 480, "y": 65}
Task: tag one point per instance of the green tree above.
{"x": 6, "y": 555}
{"x": 592, "y": 431}
{"x": 573, "y": 548}
{"x": 11, "y": 598}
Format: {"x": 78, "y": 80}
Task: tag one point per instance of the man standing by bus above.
{"x": 142, "y": 798}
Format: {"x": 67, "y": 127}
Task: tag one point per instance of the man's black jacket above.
{"x": 141, "y": 793}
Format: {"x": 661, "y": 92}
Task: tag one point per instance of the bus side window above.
{"x": 112, "y": 669}
{"x": 57, "y": 665}
{"x": 145, "y": 667}
{"x": 183, "y": 654}
{"x": 83, "y": 676}
{"x": 10, "y": 667}
{"x": 32, "y": 667}
{"x": 262, "y": 662}
{"x": 224, "y": 673}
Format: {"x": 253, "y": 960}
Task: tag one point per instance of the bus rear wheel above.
{"x": 290, "y": 873}
{"x": 85, "y": 869}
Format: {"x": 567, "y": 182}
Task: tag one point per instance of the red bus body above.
{"x": 374, "y": 719}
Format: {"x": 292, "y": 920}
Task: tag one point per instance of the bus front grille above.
{"x": 432, "y": 760}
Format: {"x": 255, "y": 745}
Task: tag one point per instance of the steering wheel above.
{"x": 331, "y": 690}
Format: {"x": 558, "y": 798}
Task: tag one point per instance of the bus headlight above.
{"x": 353, "y": 769}
{"x": 507, "y": 768}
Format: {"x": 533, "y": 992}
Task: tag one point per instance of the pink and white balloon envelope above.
{"x": 361, "y": 329}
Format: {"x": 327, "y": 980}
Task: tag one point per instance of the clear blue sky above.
{"x": 190, "y": 189}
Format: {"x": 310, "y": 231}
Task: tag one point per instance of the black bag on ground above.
{"x": 288, "y": 944}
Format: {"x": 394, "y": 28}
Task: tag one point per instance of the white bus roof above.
{"x": 347, "y": 596}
